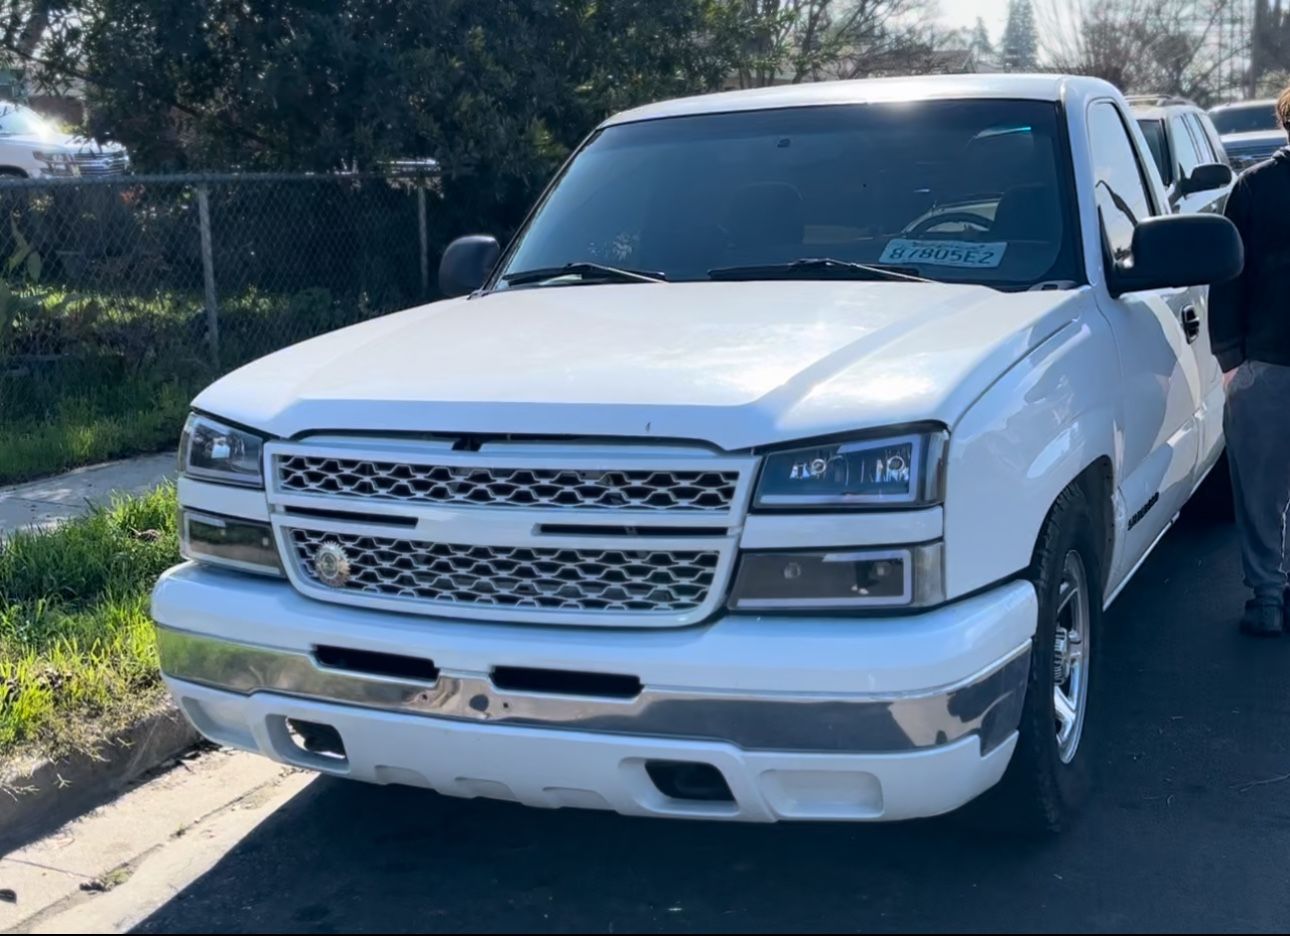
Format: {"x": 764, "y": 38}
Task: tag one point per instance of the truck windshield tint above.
{"x": 962, "y": 191}
{"x": 1251, "y": 118}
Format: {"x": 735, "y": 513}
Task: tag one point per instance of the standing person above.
{"x": 1249, "y": 327}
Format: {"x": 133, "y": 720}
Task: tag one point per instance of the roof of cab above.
{"x": 873, "y": 90}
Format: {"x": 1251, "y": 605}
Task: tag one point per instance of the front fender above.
{"x": 1019, "y": 445}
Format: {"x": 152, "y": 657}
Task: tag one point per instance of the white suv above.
{"x": 781, "y": 468}
{"x": 31, "y": 146}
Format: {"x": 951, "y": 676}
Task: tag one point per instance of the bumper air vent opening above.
{"x": 689, "y": 781}
{"x": 317, "y": 738}
{"x": 566, "y": 682}
{"x": 369, "y": 663}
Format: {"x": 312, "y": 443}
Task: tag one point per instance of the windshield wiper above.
{"x": 812, "y": 266}
{"x": 589, "y": 272}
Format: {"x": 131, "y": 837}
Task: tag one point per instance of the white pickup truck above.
{"x": 780, "y": 468}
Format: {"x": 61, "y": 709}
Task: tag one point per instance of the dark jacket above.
{"x": 1249, "y": 317}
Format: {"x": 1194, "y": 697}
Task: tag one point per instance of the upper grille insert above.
{"x": 574, "y": 488}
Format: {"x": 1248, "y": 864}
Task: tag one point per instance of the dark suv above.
{"x": 1187, "y": 150}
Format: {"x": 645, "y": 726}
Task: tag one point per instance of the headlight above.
{"x": 213, "y": 451}
{"x": 52, "y": 158}
{"x": 839, "y": 580}
{"x": 246, "y": 545}
{"x": 903, "y": 471}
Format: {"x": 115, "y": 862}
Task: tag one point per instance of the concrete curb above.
{"x": 38, "y": 797}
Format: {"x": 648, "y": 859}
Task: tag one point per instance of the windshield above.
{"x": 1248, "y": 118}
{"x": 962, "y": 191}
{"x": 1154, "y": 131}
{"x": 21, "y": 121}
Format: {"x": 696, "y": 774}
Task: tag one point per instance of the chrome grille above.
{"x": 96, "y": 164}
{"x": 536, "y": 578}
{"x": 596, "y": 489}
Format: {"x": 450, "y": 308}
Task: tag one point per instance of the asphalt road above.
{"x": 1189, "y": 829}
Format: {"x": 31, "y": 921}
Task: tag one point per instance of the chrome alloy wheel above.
{"x": 1071, "y": 656}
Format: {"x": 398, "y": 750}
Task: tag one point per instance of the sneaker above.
{"x": 1263, "y": 618}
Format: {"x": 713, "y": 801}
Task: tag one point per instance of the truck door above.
{"x": 1156, "y": 331}
{"x": 1195, "y": 148}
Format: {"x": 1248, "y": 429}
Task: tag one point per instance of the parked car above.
{"x": 31, "y": 146}
{"x": 745, "y": 484}
{"x": 1249, "y": 131}
{"x": 1187, "y": 152}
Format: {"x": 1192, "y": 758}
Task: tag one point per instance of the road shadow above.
{"x": 1181, "y": 835}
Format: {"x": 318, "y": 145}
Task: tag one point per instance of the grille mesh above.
{"x": 97, "y": 164}
{"x": 644, "y": 489}
{"x": 663, "y": 581}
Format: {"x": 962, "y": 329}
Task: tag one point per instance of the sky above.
{"x": 957, "y": 13}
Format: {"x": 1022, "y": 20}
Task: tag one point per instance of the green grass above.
{"x": 78, "y": 657}
{"x": 86, "y": 428}
{"x": 86, "y": 377}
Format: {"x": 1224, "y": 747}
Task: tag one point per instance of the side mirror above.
{"x": 1206, "y": 178}
{"x": 1180, "y": 250}
{"x": 466, "y": 264}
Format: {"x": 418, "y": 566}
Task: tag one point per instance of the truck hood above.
{"x": 734, "y": 364}
{"x": 1271, "y": 139}
{"x": 55, "y": 142}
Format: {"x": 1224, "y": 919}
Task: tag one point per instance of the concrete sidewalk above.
{"x": 111, "y": 868}
{"x": 50, "y": 500}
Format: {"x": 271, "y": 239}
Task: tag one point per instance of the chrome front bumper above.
{"x": 986, "y": 705}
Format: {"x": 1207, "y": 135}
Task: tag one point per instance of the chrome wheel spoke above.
{"x": 1066, "y": 713}
{"x": 1076, "y": 653}
{"x": 1067, "y": 592}
{"x": 1070, "y": 655}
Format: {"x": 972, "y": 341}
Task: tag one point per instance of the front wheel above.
{"x": 1048, "y": 777}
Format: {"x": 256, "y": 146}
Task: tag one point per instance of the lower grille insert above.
{"x": 446, "y": 575}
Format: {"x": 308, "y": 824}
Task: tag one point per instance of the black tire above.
{"x": 1041, "y": 792}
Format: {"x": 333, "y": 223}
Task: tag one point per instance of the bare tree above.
{"x": 1144, "y": 46}
{"x": 791, "y": 41}
{"x": 1269, "y": 48}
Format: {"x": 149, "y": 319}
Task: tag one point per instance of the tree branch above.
{"x": 168, "y": 100}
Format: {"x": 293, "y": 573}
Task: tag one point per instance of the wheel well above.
{"x": 1097, "y": 481}
{"x": 12, "y": 171}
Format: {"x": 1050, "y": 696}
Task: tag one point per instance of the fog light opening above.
{"x": 689, "y": 781}
{"x": 316, "y": 738}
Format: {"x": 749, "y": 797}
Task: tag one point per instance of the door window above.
{"x": 1154, "y": 131}
{"x": 1121, "y": 191}
{"x": 1203, "y": 145}
{"x": 1184, "y": 147}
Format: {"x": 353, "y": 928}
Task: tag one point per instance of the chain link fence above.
{"x": 121, "y": 297}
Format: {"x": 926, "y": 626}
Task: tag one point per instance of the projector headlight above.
{"x": 897, "y": 471}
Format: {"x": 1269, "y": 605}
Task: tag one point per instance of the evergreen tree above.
{"x": 1020, "y": 40}
{"x": 981, "y": 47}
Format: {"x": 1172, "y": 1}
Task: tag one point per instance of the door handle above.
{"x": 1191, "y": 323}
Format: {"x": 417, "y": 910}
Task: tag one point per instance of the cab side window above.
{"x": 1120, "y": 188}
{"x": 1203, "y": 144}
{"x": 1185, "y": 145}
